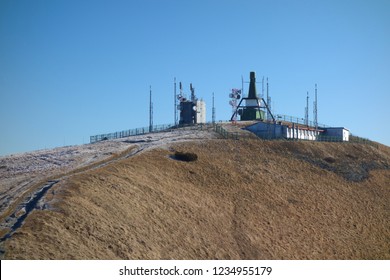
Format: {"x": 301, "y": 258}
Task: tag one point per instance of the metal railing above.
{"x": 130, "y": 132}
{"x": 145, "y": 130}
{"x": 324, "y": 138}
{"x": 297, "y": 120}
{"x": 224, "y": 133}
{"x": 357, "y": 139}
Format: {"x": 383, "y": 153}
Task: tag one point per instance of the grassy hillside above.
{"x": 245, "y": 199}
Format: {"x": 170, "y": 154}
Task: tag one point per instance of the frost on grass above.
{"x": 20, "y": 172}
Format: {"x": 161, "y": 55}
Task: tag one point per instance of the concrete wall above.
{"x": 265, "y": 130}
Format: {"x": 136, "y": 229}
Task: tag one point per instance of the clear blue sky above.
{"x": 71, "y": 69}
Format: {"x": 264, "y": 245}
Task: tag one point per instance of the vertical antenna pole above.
{"x": 213, "y": 111}
{"x": 262, "y": 88}
{"x": 315, "y": 112}
{"x": 242, "y": 86}
{"x": 268, "y": 102}
{"x": 150, "y": 111}
{"x": 175, "y": 103}
{"x": 307, "y": 110}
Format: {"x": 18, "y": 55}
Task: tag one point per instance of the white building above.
{"x": 271, "y": 130}
{"x": 200, "y": 111}
{"x": 339, "y": 133}
{"x": 287, "y": 131}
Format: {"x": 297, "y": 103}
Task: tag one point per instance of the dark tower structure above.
{"x": 252, "y": 108}
{"x": 191, "y": 111}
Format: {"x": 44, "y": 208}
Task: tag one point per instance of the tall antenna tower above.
{"x": 307, "y": 110}
{"x": 262, "y": 88}
{"x": 315, "y": 112}
{"x": 175, "y": 102}
{"x": 150, "y": 111}
{"x": 269, "y": 117}
{"x": 242, "y": 84}
{"x": 213, "y": 111}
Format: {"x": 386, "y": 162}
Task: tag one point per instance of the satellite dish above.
{"x": 231, "y": 95}
{"x": 194, "y": 108}
{"x": 238, "y": 96}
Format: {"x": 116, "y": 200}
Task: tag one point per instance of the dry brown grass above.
{"x": 239, "y": 200}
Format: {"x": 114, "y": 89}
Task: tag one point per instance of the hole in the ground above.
{"x": 182, "y": 156}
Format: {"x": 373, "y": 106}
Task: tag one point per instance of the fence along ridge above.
{"x": 129, "y": 132}
{"x": 353, "y": 139}
{"x": 220, "y": 130}
{"x": 141, "y": 131}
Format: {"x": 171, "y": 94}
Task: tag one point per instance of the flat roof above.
{"x": 337, "y": 128}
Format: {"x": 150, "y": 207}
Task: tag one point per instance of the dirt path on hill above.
{"x": 39, "y": 167}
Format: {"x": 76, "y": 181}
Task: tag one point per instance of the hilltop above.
{"x": 240, "y": 199}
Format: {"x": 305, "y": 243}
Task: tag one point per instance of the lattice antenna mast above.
{"x": 150, "y": 111}
{"x": 174, "y": 102}
{"x": 315, "y": 112}
{"x": 307, "y": 110}
{"x": 262, "y": 88}
{"x": 269, "y": 117}
{"x": 242, "y": 84}
{"x": 213, "y": 111}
